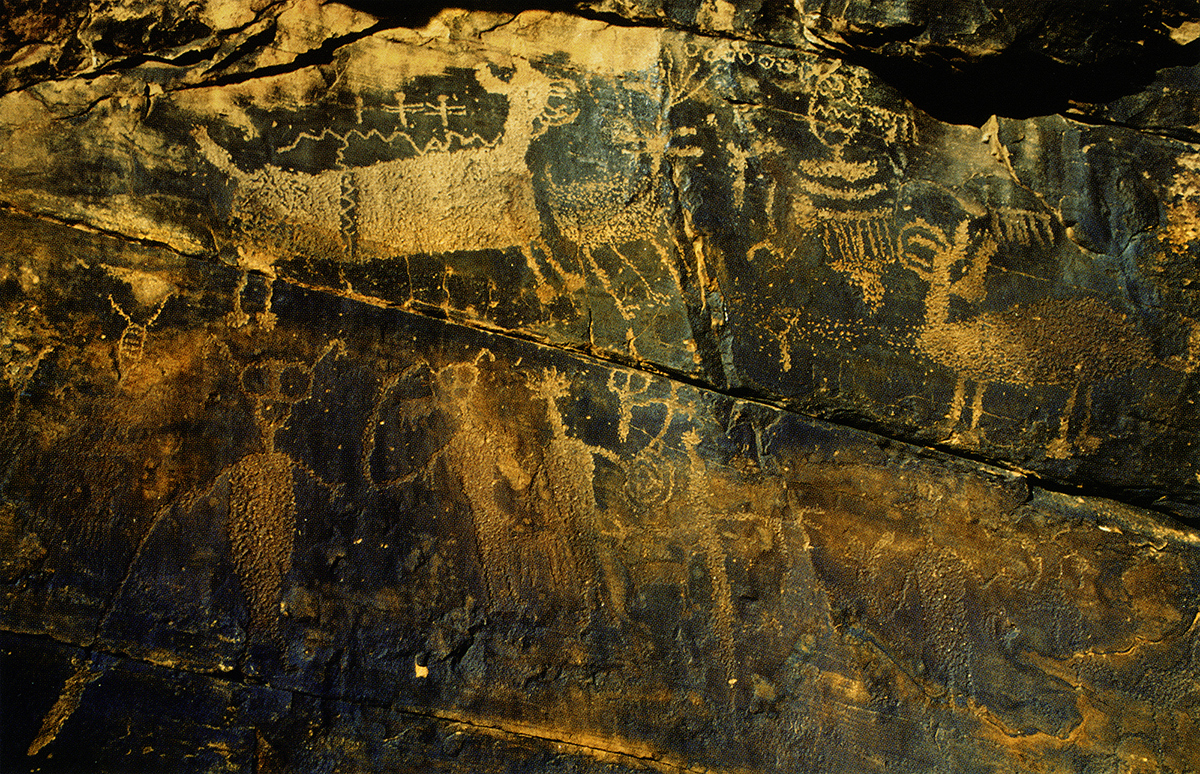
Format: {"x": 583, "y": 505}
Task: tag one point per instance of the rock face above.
{"x": 637, "y": 386}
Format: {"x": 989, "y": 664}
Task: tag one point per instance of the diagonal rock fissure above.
{"x": 90, "y": 228}
{"x": 525, "y": 731}
{"x": 492, "y": 726}
{"x": 321, "y": 55}
{"x": 708, "y": 342}
{"x": 1149, "y": 499}
{"x": 1188, "y": 135}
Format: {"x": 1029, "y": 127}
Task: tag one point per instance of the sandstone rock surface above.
{"x": 631, "y": 386}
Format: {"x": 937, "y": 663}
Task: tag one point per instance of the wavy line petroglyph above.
{"x": 475, "y": 197}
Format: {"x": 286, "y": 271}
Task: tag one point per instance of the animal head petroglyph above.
{"x": 934, "y": 254}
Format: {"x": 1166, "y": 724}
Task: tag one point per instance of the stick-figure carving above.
{"x": 131, "y": 345}
{"x": 1071, "y": 342}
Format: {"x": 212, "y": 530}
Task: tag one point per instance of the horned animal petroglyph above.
{"x": 445, "y": 198}
{"x": 1073, "y": 342}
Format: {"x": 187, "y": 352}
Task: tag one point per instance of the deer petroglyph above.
{"x": 1073, "y": 342}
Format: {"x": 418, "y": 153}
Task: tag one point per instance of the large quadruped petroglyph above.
{"x": 635, "y": 386}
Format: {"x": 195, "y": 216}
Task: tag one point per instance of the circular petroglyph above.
{"x": 648, "y": 482}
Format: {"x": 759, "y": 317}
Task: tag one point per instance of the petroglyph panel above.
{"x": 761, "y": 218}
{"x": 468, "y": 171}
{"x": 348, "y": 508}
{"x": 1001, "y": 290}
{"x": 532, "y": 392}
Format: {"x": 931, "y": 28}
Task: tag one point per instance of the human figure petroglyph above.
{"x": 527, "y": 503}
{"x": 448, "y": 139}
{"x": 849, "y": 190}
{"x": 648, "y": 479}
{"x": 844, "y": 191}
{"x": 131, "y": 345}
{"x": 258, "y": 489}
{"x": 723, "y": 613}
{"x": 262, "y": 505}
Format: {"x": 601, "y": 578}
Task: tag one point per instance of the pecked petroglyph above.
{"x": 131, "y": 345}
{"x": 453, "y": 192}
{"x": 262, "y": 504}
{"x": 525, "y": 502}
{"x": 262, "y": 526}
{"x": 1023, "y": 226}
{"x": 843, "y": 188}
{"x": 473, "y": 199}
{"x": 851, "y": 190}
{"x": 715, "y": 556}
{"x": 606, "y": 218}
{"x": 240, "y": 317}
{"x": 859, "y": 245}
{"x": 448, "y": 173}
{"x": 1072, "y": 342}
